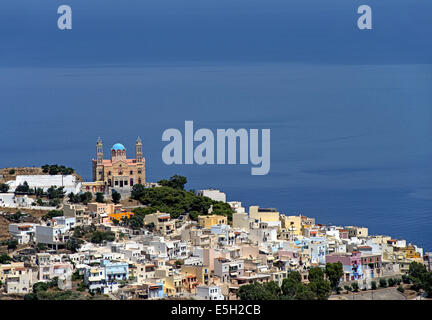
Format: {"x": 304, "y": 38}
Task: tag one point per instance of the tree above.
{"x": 373, "y": 285}
{"x": 178, "y": 263}
{"x": 258, "y": 291}
{"x": 100, "y": 197}
{"x": 86, "y": 197}
{"x": 334, "y": 272}
{"x": 73, "y": 244}
{"x": 4, "y": 258}
{"x": 101, "y": 236}
{"x": 391, "y": 282}
{"x": 51, "y": 214}
{"x": 55, "y": 193}
{"x": 136, "y": 222}
{"x": 138, "y": 191}
{"x": 347, "y": 288}
{"x": 12, "y": 244}
{"x": 4, "y": 187}
{"x": 175, "y": 182}
{"x": 355, "y": 286}
{"x": 23, "y": 188}
{"x": 383, "y": 283}
{"x": 116, "y": 197}
{"x": 318, "y": 285}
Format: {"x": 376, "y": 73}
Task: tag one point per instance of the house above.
{"x": 78, "y": 212}
{"x": 52, "y": 236}
{"x": 357, "y": 232}
{"x": 23, "y": 232}
{"x": 20, "y": 281}
{"x": 225, "y": 269}
{"x": 162, "y": 222}
{"x": 213, "y": 194}
{"x": 209, "y": 292}
{"x": 351, "y": 262}
{"x": 263, "y": 214}
{"x": 207, "y": 221}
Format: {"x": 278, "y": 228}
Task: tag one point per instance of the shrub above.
{"x": 383, "y": 283}
{"x": 391, "y": 282}
{"x": 373, "y": 285}
{"x": 400, "y": 289}
{"x": 355, "y": 287}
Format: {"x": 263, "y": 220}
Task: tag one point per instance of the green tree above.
{"x": 175, "y": 182}
{"x": 51, "y": 214}
{"x": 355, "y": 286}
{"x": 73, "y": 244}
{"x": 258, "y": 291}
{"x": 4, "y": 187}
{"x": 12, "y": 244}
{"x": 373, "y": 285}
{"x": 318, "y": 285}
{"x": 55, "y": 193}
{"x": 391, "y": 282}
{"x": 116, "y": 197}
{"x": 86, "y": 197}
{"x": 100, "y": 197}
{"x": 383, "y": 283}
{"x": 334, "y": 272}
{"x": 5, "y": 259}
{"x": 23, "y": 188}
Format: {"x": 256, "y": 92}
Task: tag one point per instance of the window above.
{"x": 131, "y": 172}
{"x": 139, "y": 171}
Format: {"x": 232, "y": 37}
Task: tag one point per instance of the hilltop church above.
{"x": 119, "y": 172}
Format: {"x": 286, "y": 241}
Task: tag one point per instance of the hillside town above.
{"x": 120, "y": 237}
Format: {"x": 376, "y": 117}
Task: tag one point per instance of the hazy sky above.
{"x": 131, "y": 32}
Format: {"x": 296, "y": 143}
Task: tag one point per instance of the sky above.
{"x": 137, "y": 32}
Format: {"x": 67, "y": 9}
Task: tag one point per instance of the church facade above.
{"x": 118, "y": 172}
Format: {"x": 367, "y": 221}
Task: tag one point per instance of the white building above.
{"x": 46, "y": 181}
{"x": 236, "y": 206}
{"x": 51, "y": 236}
{"x": 10, "y": 200}
{"x": 20, "y": 281}
{"x": 23, "y": 232}
{"x": 211, "y": 292}
{"x": 213, "y": 194}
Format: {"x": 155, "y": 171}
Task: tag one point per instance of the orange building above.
{"x": 119, "y": 216}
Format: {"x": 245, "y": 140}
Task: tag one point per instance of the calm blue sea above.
{"x": 350, "y": 144}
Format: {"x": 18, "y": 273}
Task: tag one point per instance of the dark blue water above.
{"x": 350, "y": 144}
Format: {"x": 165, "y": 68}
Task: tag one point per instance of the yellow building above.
{"x": 292, "y": 224}
{"x": 119, "y": 216}
{"x": 209, "y": 221}
{"x": 201, "y": 273}
{"x": 263, "y": 214}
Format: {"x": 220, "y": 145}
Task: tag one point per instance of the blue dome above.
{"x": 118, "y": 146}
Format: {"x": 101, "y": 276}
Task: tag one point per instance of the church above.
{"x": 118, "y": 172}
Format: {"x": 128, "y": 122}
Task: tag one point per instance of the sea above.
{"x": 350, "y": 144}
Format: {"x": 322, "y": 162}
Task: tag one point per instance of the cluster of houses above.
{"x": 205, "y": 259}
